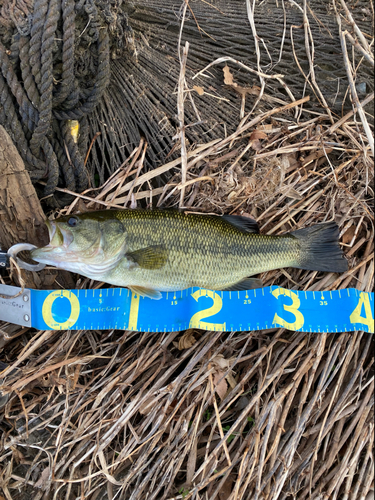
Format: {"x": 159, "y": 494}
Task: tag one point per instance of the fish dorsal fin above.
{"x": 152, "y": 257}
{"x": 246, "y": 284}
{"x": 146, "y": 292}
{"x": 244, "y": 224}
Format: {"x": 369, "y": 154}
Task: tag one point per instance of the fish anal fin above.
{"x": 146, "y": 292}
{"x": 152, "y": 257}
{"x": 246, "y": 284}
{"x": 244, "y": 224}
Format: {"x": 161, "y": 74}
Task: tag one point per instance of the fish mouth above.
{"x": 58, "y": 237}
{"x": 55, "y": 237}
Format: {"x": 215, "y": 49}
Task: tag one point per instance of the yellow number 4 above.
{"x": 356, "y": 317}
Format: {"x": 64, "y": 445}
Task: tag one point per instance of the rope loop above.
{"x": 54, "y": 68}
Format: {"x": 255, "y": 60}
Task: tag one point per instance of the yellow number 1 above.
{"x": 356, "y": 317}
{"x": 293, "y": 308}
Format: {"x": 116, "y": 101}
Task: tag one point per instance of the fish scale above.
{"x": 203, "y": 251}
{"x": 167, "y": 250}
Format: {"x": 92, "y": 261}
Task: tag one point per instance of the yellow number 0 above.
{"x": 356, "y": 317}
{"x": 293, "y": 308}
{"x": 196, "y": 322}
{"x": 47, "y": 310}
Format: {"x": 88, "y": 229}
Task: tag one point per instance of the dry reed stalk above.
{"x": 106, "y": 415}
{"x": 180, "y": 101}
{"x": 349, "y": 71}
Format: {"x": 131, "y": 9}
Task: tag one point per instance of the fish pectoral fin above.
{"x": 146, "y": 292}
{"x": 246, "y": 284}
{"x": 244, "y": 224}
{"x": 152, "y": 257}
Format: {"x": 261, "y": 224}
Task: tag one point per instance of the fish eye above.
{"x": 72, "y": 222}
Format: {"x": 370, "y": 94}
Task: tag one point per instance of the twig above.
{"x": 250, "y": 15}
{"x": 356, "y": 29}
{"x": 366, "y": 55}
{"x": 353, "y": 91}
{"x": 348, "y": 115}
{"x": 180, "y": 108}
{"x": 90, "y": 147}
{"x": 240, "y": 64}
{"x": 218, "y": 418}
{"x": 180, "y": 100}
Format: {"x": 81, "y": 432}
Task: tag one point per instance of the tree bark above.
{"x": 21, "y": 215}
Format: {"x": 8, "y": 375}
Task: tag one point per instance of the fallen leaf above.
{"x": 267, "y": 127}
{"x": 257, "y": 134}
{"x": 256, "y": 145}
{"x": 220, "y": 384}
{"x": 186, "y": 341}
{"x": 255, "y": 137}
{"x": 81, "y": 206}
{"x": 228, "y": 77}
{"x": 348, "y": 235}
{"x": 198, "y": 89}
{"x": 222, "y": 363}
{"x": 228, "y": 80}
{"x": 291, "y": 160}
{"x": 221, "y": 366}
{"x": 43, "y": 478}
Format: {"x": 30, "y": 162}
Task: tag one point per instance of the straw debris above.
{"x": 104, "y": 415}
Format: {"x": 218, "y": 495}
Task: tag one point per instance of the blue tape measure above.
{"x": 261, "y": 309}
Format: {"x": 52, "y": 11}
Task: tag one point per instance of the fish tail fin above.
{"x": 320, "y": 250}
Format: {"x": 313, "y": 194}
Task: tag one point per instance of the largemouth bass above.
{"x": 150, "y": 251}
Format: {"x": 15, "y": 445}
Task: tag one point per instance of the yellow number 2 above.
{"x": 293, "y": 308}
{"x": 195, "y": 321}
{"x": 356, "y": 317}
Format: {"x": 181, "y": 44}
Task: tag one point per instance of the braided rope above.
{"x": 27, "y": 110}
{"x": 27, "y": 76}
{"x": 46, "y": 83}
{"x": 58, "y": 147}
{"x": 67, "y": 75}
{"x": 54, "y": 67}
{"x": 101, "y": 83}
{"x": 53, "y": 167}
{"x": 39, "y": 16}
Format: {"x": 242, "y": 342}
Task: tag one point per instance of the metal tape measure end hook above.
{"x": 19, "y": 247}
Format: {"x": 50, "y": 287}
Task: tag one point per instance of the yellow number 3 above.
{"x": 293, "y": 308}
{"x": 356, "y": 317}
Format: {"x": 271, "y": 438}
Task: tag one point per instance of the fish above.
{"x": 154, "y": 251}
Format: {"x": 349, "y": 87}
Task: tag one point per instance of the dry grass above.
{"x": 209, "y": 415}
